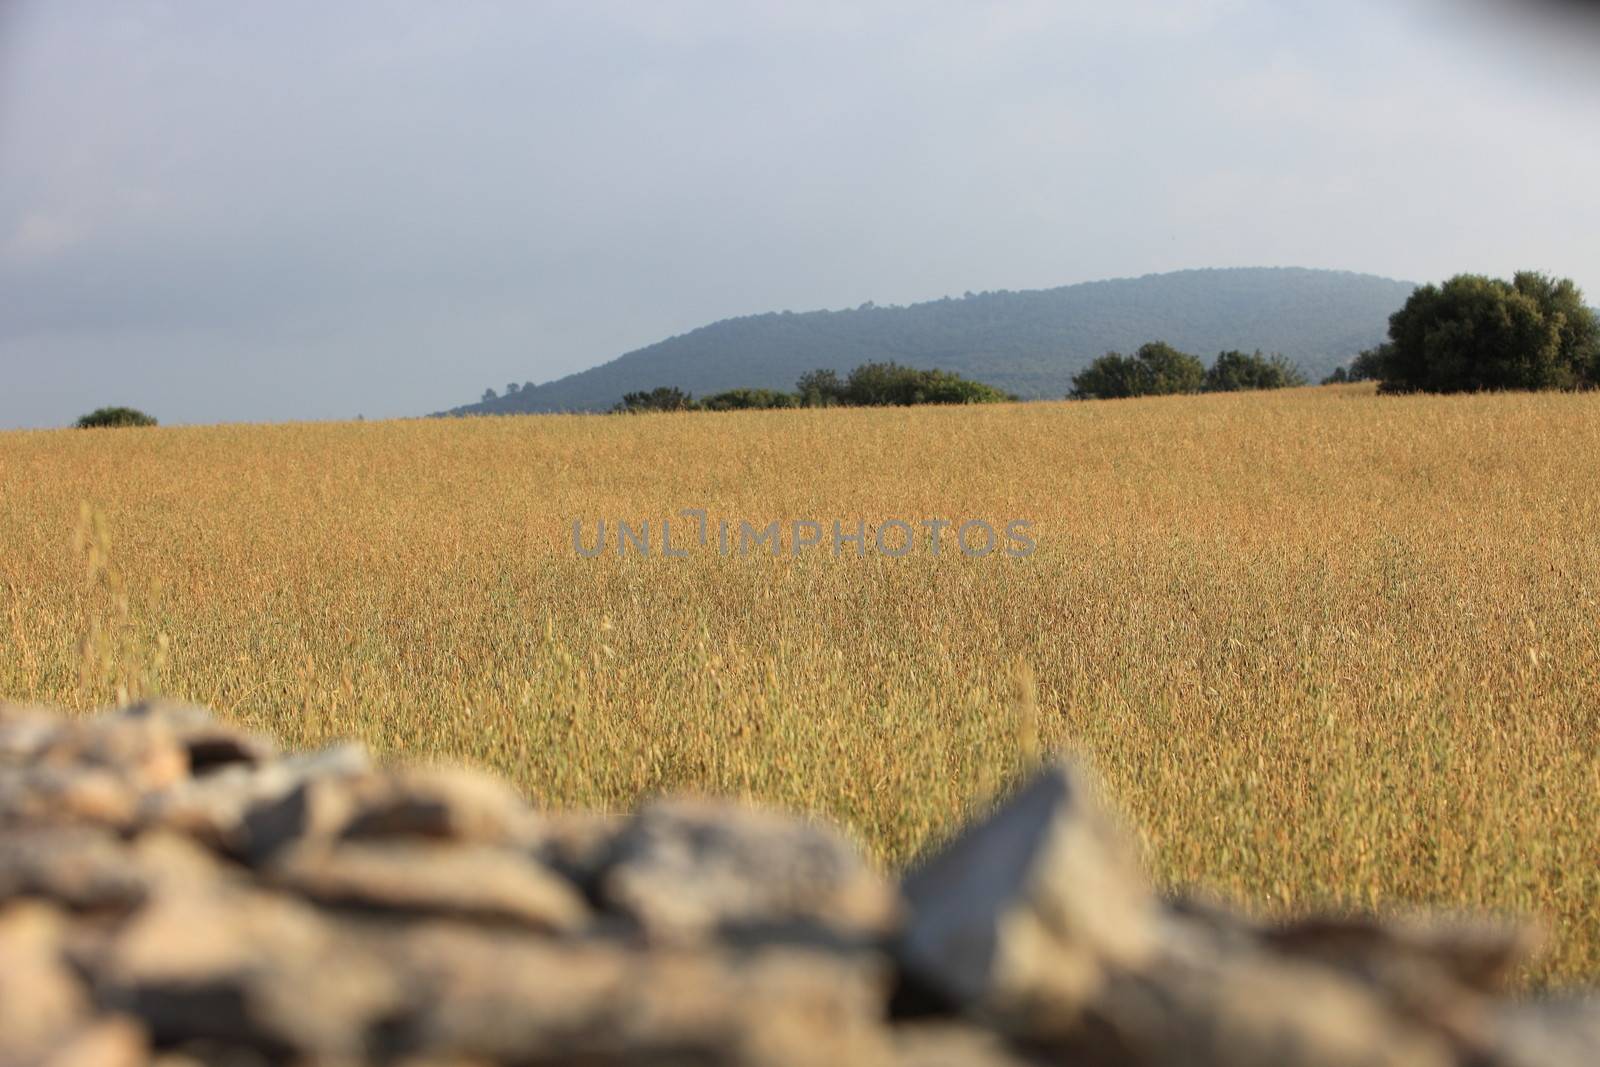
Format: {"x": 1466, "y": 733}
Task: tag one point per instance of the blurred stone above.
{"x": 443, "y": 803}
{"x": 143, "y": 749}
{"x": 25, "y": 731}
{"x": 686, "y": 868}
{"x": 1549, "y": 1032}
{"x": 210, "y": 744}
{"x": 107, "y": 1042}
{"x": 78, "y": 867}
{"x": 947, "y": 1044}
{"x": 1479, "y": 956}
{"x": 521, "y": 1000}
{"x": 1202, "y": 1002}
{"x": 245, "y": 968}
{"x": 41, "y": 1000}
{"x": 49, "y": 794}
{"x": 1021, "y": 917}
{"x": 170, "y": 883}
{"x": 576, "y": 844}
{"x": 254, "y": 811}
{"x": 471, "y": 882}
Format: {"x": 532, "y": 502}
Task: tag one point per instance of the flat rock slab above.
{"x": 473, "y": 882}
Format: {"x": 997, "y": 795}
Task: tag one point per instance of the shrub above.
{"x": 881, "y": 384}
{"x": 749, "y": 400}
{"x": 102, "y": 417}
{"x": 1237, "y": 371}
{"x": 1366, "y": 367}
{"x": 661, "y": 398}
{"x": 1156, "y": 369}
{"x": 820, "y": 388}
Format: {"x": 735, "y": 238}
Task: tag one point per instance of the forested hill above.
{"x": 1029, "y": 343}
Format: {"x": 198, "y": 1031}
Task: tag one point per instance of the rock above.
{"x": 1022, "y": 916}
{"x": 209, "y": 743}
{"x": 1198, "y": 1004}
{"x": 108, "y": 1042}
{"x": 142, "y": 749}
{"x": 576, "y": 844}
{"x": 41, "y": 1001}
{"x": 245, "y": 969}
{"x": 471, "y": 882}
{"x": 1479, "y": 956}
{"x": 443, "y": 803}
{"x": 1552, "y": 1032}
{"x": 77, "y": 867}
{"x": 522, "y": 1000}
{"x": 222, "y": 1054}
{"x": 252, "y": 811}
{"x": 683, "y": 869}
{"x": 1436, "y": 972}
{"x": 168, "y": 883}
{"x": 947, "y": 1044}
{"x": 91, "y": 770}
{"x": 93, "y": 873}
{"x": 56, "y": 795}
{"x": 337, "y": 796}
{"x": 25, "y": 731}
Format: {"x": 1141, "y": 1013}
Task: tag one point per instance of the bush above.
{"x": 869, "y": 385}
{"x": 102, "y": 417}
{"x": 661, "y": 398}
{"x": 1157, "y": 369}
{"x": 820, "y": 388}
{"x": 1366, "y": 367}
{"x": 883, "y": 384}
{"x": 749, "y": 400}
{"x": 1474, "y": 333}
{"x": 1237, "y": 371}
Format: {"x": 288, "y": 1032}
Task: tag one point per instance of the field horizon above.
{"x": 1326, "y": 648}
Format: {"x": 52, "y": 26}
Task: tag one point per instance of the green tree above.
{"x": 1156, "y": 369}
{"x": 820, "y": 388}
{"x": 661, "y": 398}
{"x": 749, "y": 400}
{"x": 101, "y": 417}
{"x": 944, "y": 387}
{"x": 1474, "y": 333}
{"x": 1236, "y": 371}
{"x": 1110, "y": 377}
{"x": 1367, "y": 366}
{"x": 878, "y": 384}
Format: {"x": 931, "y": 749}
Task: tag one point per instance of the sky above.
{"x": 303, "y": 210}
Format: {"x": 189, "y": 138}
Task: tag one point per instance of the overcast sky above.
{"x": 297, "y": 210}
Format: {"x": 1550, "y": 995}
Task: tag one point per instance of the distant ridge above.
{"x": 1029, "y": 342}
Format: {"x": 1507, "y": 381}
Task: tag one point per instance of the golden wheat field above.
{"x": 1323, "y": 647}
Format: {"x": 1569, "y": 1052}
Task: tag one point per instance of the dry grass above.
{"x": 1324, "y": 647}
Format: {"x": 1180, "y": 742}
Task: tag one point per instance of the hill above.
{"x": 1030, "y": 343}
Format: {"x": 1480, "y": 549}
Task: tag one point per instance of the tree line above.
{"x": 1158, "y": 369}
{"x": 868, "y": 385}
{"x": 1471, "y": 333}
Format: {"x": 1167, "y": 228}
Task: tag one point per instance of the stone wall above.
{"x": 173, "y": 891}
